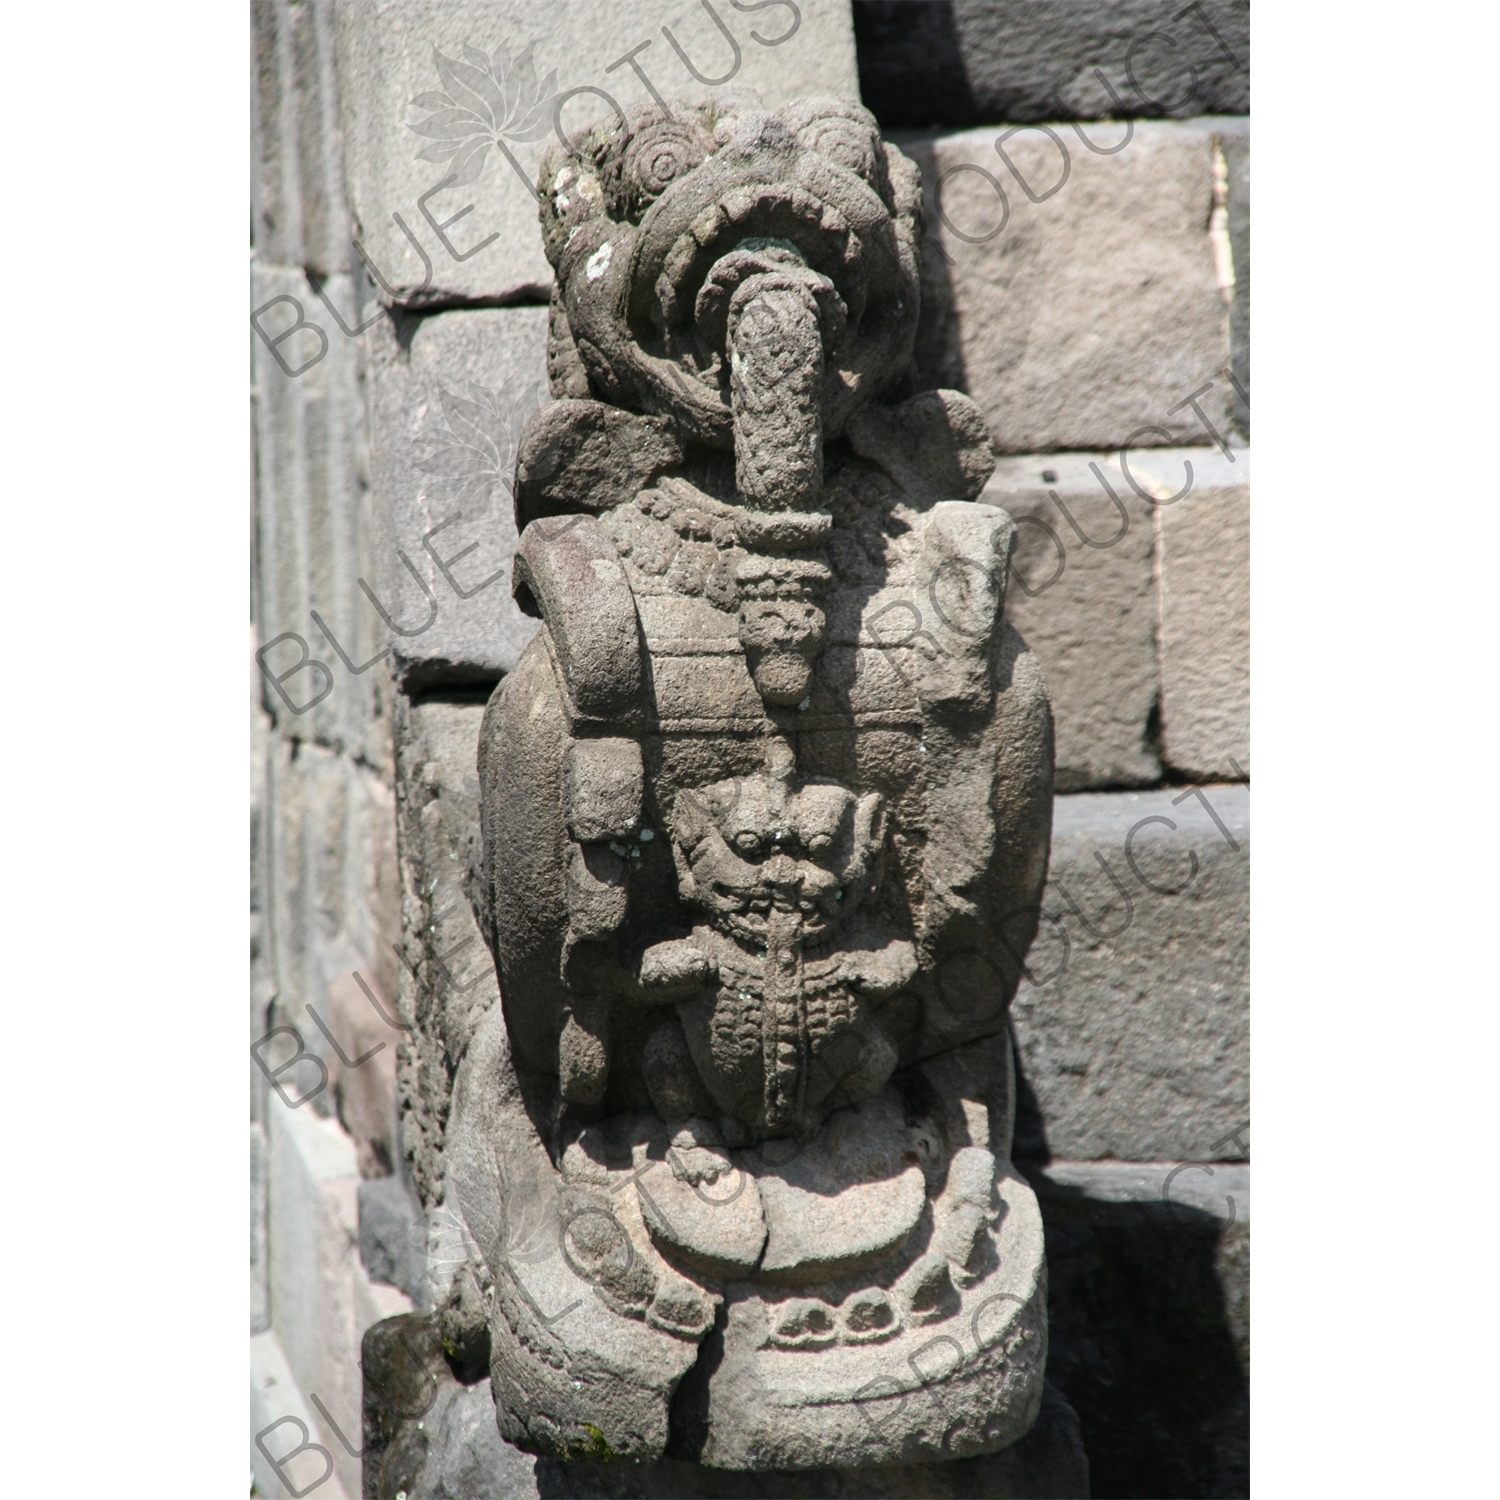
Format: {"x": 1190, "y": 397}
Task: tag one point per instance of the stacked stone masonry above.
{"x": 1088, "y": 285}
{"x": 392, "y": 52}
{"x": 449, "y": 393}
{"x": 325, "y": 897}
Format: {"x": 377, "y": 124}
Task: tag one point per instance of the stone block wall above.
{"x": 1086, "y": 171}
{"x": 1087, "y": 282}
{"x": 325, "y": 886}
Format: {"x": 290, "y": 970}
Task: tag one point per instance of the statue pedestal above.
{"x": 457, "y": 1452}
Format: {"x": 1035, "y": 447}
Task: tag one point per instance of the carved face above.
{"x": 752, "y": 847}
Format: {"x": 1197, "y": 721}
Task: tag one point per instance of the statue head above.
{"x": 699, "y": 250}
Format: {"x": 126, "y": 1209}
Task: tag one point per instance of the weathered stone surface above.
{"x": 362, "y": 1068}
{"x": 464, "y": 1453}
{"x": 321, "y": 1299}
{"x": 262, "y": 960}
{"x": 715, "y": 1235}
{"x": 1220, "y": 1187}
{"x": 1083, "y": 596}
{"x": 468, "y": 1459}
{"x": 1139, "y": 670}
{"x": 260, "y": 1290}
{"x": 965, "y": 62}
{"x": 393, "y": 1235}
{"x": 751, "y": 862}
{"x": 319, "y": 681}
{"x": 844, "y": 1201}
{"x": 299, "y": 216}
{"x": 1234, "y": 141}
{"x": 934, "y": 446}
{"x": 893, "y": 1401}
{"x": 593, "y": 1375}
{"x": 407, "y": 1382}
{"x": 1149, "y": 1314}
{"x": 1133, "y": 1031}
{"x": 429, "y": 1435}
{"x": 333, "y": 894}
{"x": 449, "y": 393}
{"x": 1081, "y": 320}
{"x": 459, "y": 1455}
{"x": 1205, "y": 612}
{"x": 447, "y": 977}
{"x": 391, "y": 84}
{"x": 291, "y": 1442}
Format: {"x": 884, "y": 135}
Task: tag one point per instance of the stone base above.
{"x": 592, "y": 1359}
{"x": 428, "y": 1436}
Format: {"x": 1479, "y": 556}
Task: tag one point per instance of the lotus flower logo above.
{"x": 474, "y": 450}
{"x": 488, "y": 101}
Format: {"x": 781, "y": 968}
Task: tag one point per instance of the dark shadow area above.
{"x": 425, "y": 679}
{"x": 937, "y": 354}
{"x": 911, "y": 66}
{"x": 1030, "y": 1141}
{"x": 479, "y": 690}
{"x": 1148, "y": 1313}
{"x": 956, "y": 64}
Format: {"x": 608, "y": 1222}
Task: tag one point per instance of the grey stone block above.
{"x": 262, "y": 935}
{"x": 1089, "y": 318}
{"x": 260, "y": 1291}
{"x": 362, "y": 1073}
{"x": 334, "y": 894}
{"x": 449, "y": 393}
{"x": 321, "y": 1299}
{"x": 387, "y": 62}
{"x": 312, "y": 534}
{"x": 1204, "y": 567}
{"x": 448, "y": 978}
{"x": 291, "y": 1442}
{"x": 1083, "y": 596}
{"x": 1234, "y": 142}
{"x": 467, "y": 1458}
{"x": 393, "y": 1235}
{"x": 299, "y": 216}
{"x": 1133, "y": 1030}
{"x": 962, "y": 62}
{"x": 1220, "y": 1189}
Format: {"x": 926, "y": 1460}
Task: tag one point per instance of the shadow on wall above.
{"x": 910, "y": 57}
{"x": 956, "y": 63}
{"x": 1148, "y": 1318}
{"x": 938, "y": 355}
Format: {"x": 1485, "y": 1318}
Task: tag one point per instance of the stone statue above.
{"x": 766, "y": 808}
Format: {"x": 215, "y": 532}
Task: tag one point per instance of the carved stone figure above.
{"x": 766, "y": 813}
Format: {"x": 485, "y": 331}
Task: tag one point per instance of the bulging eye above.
{"x": 747, "y": 842}
{"x": 819, "y": 843}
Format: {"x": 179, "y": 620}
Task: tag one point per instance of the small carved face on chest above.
{"x": 757, "y": 854}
